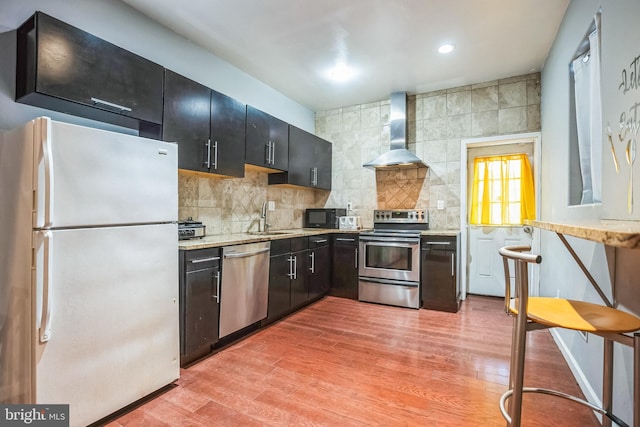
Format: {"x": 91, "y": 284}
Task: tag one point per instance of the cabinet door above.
{"x": 279, "y": 287}
{"x": 299, "y": 281}
{"x": 438, "y": 278}
{"x": 73, "y": 65}
{"x": 258, "y": 143}
{"x": 186, "y": 120}
{"x": 319, "y": 271}
{"x": 200, "y": 310}
{"x": 279, "y": 136}
{"x": 267, "y": 140}
{"x": 344, "y": 280}
{"x": 322, "y": 155}
{"x": 301, "y": 157}
{"x": 228, "y": 120}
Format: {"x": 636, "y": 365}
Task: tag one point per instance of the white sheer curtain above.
{"x": 586, "y": 73}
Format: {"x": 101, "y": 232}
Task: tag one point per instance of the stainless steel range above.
{"x": 390, "y": 258}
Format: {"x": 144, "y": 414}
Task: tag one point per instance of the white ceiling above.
{"x": 290, "y": 44}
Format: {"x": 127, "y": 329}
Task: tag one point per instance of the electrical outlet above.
{"x": 349, "y": 207}
{"x": 440, "y": 204}
{"x": 271, "y": 205}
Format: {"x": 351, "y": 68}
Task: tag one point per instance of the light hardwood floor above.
{"x": 339, "y": 362}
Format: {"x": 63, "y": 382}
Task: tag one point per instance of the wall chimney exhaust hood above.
{"x": 398, "y": 157}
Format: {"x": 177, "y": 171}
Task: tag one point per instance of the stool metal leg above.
{"x": 607, "y": 380}
{"x": 636, "y": 379}
{"x": 517, "y": 366}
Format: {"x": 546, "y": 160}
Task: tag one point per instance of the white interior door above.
{"x": 486, "y": 272}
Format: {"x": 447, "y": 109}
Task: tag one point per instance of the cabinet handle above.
{"x": 295, "y": 267}
{"x": 314, "y": 176}
{"x": 199, "y": 260}
{"x": 342, "y": 239}
{"x": 207, "y": 163}
{"x": 437, "y": 243}
{"x": 290, "y": 273}
{"x": 215, "y": 155}
{"x": 111, "y": 104}
{"x": 268, "y": 153}
{"x": 321, "y": 241}
{"x": 246, "y": 254}
{"x": 356, "y": 259}
{"x": 452, "y": 264}
{"x": 273, "y": 153}
{"x": 218, "y": 287}
{"x": 313, "y": 262}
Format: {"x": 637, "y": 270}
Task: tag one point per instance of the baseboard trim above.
{"x": 589, "y": 393}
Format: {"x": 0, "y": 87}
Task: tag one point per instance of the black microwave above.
{"x": 323, "y": 218}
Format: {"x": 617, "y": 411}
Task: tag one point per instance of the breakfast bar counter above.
{"x": 615, "y": 233}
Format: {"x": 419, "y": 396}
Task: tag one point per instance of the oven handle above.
{"x": 395, "y": 243}
{"x": 389, "y": 282}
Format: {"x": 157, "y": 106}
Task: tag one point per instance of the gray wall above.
{"x": 122, "y": 25}
{"x": 558, "y": 271}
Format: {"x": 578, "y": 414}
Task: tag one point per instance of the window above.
{"x": 502, "y": 190}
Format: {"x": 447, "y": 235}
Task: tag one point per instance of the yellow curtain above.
{"x": 502, "y": 191}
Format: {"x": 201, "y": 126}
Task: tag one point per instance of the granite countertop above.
{"x": 616, "y": 233}
{"x": 243, "y": 238}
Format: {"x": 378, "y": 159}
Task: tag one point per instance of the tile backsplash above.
{"x": 233, "y": 205}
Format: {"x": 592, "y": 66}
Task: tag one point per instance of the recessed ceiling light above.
{"x": 446, "y": 48}
{"x": 341, "y": 72}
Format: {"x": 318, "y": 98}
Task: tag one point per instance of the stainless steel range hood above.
{"x": 398, "y": 157}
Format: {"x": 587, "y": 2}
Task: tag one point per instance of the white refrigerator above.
{"x": 88, "y": 268}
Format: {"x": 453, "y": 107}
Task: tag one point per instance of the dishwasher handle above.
{"x": 217, "y": 295}
{"x": 246, "y": 254}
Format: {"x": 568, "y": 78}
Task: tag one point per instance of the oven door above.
{"x": 396, "y": 258}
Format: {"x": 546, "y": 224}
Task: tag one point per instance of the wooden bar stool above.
{"x": 533, "y": 313}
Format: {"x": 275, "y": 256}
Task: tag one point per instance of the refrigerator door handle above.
{"x": 48, "y": 177}
{"x": 45, "y": 316}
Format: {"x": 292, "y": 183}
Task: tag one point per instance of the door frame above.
{"x": 535, "y": 138}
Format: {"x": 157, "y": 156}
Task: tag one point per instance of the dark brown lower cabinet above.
{"x": 344, "y": 278}
{"x": 439, "y": 277}
{"x": 199, "y": 302}
{"x": 319, "y": 266}
{"x": 288, "y": 284}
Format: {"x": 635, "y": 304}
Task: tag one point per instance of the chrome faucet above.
{"x": 263, "y": 217}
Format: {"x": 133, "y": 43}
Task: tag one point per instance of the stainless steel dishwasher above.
{"x": 245, "y": 286}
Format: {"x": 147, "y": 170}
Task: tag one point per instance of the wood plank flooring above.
{"x": 340, "y": 362}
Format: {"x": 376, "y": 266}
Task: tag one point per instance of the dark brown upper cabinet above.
{"x": 309, "y": 161}
{"x": 62, "y": 68}
{"x": 208, "y": 126}
{"x": 228, "y": 120}
{"x": 267, "y": 143}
